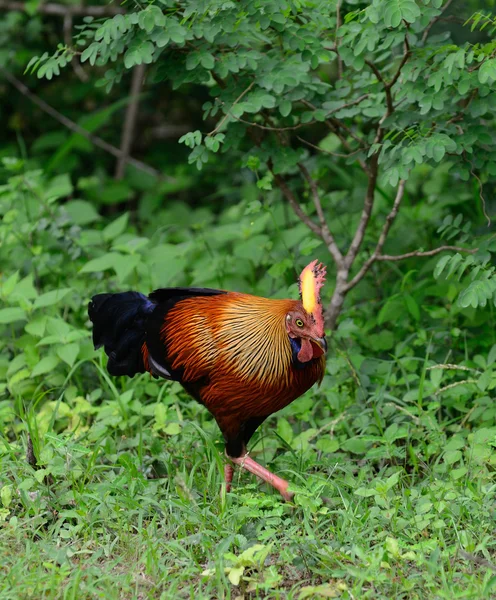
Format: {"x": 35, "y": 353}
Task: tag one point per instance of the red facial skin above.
{"x": 300, "y": 325}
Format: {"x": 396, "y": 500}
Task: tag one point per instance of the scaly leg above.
{"x": 228, "y": 476}
{"x": 251, "y": 465}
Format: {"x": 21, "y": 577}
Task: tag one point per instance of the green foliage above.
{"x": 392, "y": 458}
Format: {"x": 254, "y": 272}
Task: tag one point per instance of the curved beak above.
{"x": 321, "y": 343}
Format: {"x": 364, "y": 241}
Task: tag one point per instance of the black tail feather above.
{"x": 119, "y": 325}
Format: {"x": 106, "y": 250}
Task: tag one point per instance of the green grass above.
{"x": 128, "y": 503}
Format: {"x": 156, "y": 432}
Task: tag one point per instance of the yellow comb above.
{"x": 312, "y": 278}
{"x": 308, "y": 291}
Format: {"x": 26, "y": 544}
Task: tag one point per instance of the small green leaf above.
{"x": 11, "y": 315}
{"x": 46, "y": 364}
{"x": 172, "y": 429}
{"x": 115, "y": 228}
{"x": 51, "y": 298}
{"x": 68, "y": 353}
{"x": 285, "y": 108}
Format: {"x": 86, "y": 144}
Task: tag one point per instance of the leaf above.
{"x": 68, "y": 353}
{"x": 172, "y": 429}
{"x": 235, "y": 574}
{"x": 46, "y": 364}
{"x": 285, "y": 430}
{"x": 11, "y": 315}
{"x": 487, "y": 71}
{"x": 81, "y": 212}
{"x": 412, "y": 306}
{"x": 51, "y": 298}
{"x": 6, "y": 495}
{"x": 115, "y": 228}
{"x": 395, "y": 11}
{"x": 102, "y": 263}
{"x": 327, "y": 445}
{"x": 440, "y": 266}
{"x": 285, "y": 108}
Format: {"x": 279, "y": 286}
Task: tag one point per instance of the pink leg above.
{"x": 228, "y": 476}
{"x": 251, "y": 465}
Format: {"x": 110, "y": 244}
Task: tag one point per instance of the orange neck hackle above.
{"x": 310, "y": 282}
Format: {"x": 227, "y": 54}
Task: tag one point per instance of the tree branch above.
{"x": 283, "y": 186}
{"x": 336, "y": 40}
{"x": 130, "y": 119}
{"x": 366, "y": 212}
{"x": 419, "y": 253}
{"x": 221, "y": 122}
{"x": 338, "y": 154}
{"x": 382, "y": 238}
{"x": 97, "y": 141}
{"x": 65, "y": 9}
{"x": 389, "y": 85}
{"x": 434, "y": 21}
{"x": 300, "y": 125}
{"x": 76, "y": 66}
{"x": 325, "y": 232}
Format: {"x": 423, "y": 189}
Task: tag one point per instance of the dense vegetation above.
{"x": 225, "y": 144}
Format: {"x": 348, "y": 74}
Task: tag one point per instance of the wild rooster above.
{"x": 241, "y": 356}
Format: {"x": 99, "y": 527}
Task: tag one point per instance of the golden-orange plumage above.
{"x": 239, "y": 344}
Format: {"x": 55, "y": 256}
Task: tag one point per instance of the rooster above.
{"x": 243, "y": 357}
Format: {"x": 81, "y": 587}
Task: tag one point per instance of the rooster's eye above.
{"x": 299, "y": 322}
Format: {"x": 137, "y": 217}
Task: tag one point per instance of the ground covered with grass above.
{"x": 127, "y": 502}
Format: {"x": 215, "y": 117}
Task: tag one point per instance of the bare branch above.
{"x": 76, "y": 66}
{"x": 419, "y": 253}
{"x": 51, "y": 8}
{"x": 130, "y": 119}
{"x": 325, "y": 232}
{"x": 366, "y": 212}
{"x": 283, "y": 186}
{"x": 97, "y": 141}
{"x": 434, "y": 21}
{"x": 406, "y": 56}
{"x": 382, "y": 238}
{"x": 389, "y": 85}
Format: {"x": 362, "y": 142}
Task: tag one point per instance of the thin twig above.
{"x": 481, "y": 195}
{"x": 433, "y": 21}
{"x": 337, "y": 154}
{"x": 76, "y": 65}
{"x": 382, "y": 237}
{"x": 51, "y": 8}
{"x": 221, "y": 122}
{"x": 419, "y": 253}
{"x": 330, "y": 425}
{"x": 300, "y": 125}
{"x": 130, "y": 119}
{"x": 389, "y": 84}
{"x": 97, "y": 141}
{"x": 283, "y": 186}
{"x": 336, "y": 39}
{"x": 406, "y": 55}
{"x": 325, "y": 231}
